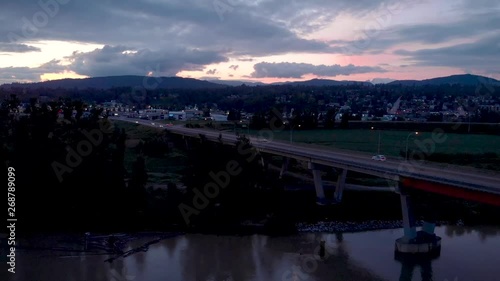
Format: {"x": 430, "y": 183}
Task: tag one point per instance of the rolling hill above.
{"x": 139, "y": 82}
{"x": 462, "y": 79}
{"x": 152, "y": 83}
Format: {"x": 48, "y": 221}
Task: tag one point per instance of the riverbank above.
{"x": 468, "y": 254}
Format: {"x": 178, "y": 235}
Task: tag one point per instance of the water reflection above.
{"x": 353, "y": 256}
{"x": 222, "y": 258}
{"x": 306, "y": 264}
{"x": 409, "y": 265}
{"x": 483, "y": 232}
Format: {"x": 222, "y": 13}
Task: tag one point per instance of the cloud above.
{"x": 248, "y": 28}
{"x": 175, "y": 35}
{"x": 29, "y": 74}
{"x": 209, "y": 78}
{"x": 481, "y": 55}
{"x": 121, "y": 60}
{"x": 466, "y": 25}
{"x": 381, "y": 80}
{"x": 234, "y": 67}
{"x": 211, "y": 71}
{"x": 17, "y": 48}
{"x": 298, "y": 70}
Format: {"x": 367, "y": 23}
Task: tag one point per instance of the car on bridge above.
{"x": 379, "y": 157}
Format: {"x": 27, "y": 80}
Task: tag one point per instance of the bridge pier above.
{"x": 429, "y": 227}
{"x": 339, "y": 189}
{"x": 284, "y": 166}
{"x": 409, "y": 225}
{"x": 413, "y": 242}
{"x": 318, "y": 184}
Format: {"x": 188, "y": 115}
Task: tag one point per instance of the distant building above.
{"x": 177, "y": 115}
{"x": 219, "y": 117}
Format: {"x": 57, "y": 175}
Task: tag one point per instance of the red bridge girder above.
{"x": 451, "y": 191}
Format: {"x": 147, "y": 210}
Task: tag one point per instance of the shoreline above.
{"x": 259, "y": 229}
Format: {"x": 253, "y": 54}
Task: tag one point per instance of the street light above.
{"x": 291, "y": 133}
{"x": 407, "y": 138}
{"x": 378, "y": 148}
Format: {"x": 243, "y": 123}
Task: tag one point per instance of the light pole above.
{"x": 468, "y": 130}
{"x": 378, "y": 147}
{"x": 407, "y": 138}
{"x": 291, "y": 133}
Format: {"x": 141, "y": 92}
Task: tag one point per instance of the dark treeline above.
{"x": 230, "y": 184}
{"x": 259, "y": 99}
{"x": 71, "y": 176}
{"x": 69, "y": 171}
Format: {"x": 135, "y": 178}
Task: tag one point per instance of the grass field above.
{"x": 161, "y": 170}
{"x": 392, "y": 142}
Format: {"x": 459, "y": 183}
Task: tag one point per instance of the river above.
{"x": 468, "y": 253}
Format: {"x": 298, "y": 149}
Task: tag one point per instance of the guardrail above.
{"x": 367, "y": 168}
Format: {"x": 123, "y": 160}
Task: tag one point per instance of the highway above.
{"x": 391, "y": 169}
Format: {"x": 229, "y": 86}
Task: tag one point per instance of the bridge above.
{"x": 471, "y": 184}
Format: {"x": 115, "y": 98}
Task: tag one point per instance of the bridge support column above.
{"x": 410, "y": 230}
{"x": 423, "y": 242}
{"x": 429, "y": 227}
{"x": 429, "y": 223}
{"x": 339, "y": 189}
{"x": 318, "y": 184}
{"x": 284, "y": 166}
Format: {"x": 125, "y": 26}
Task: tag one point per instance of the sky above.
{"x": 249, "y": 40}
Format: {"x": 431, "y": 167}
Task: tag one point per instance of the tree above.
{"x": 234, "y": 115}
{"x": 137, "y": 182}
{"x": 344, "y": 122}
{"x": 330, "y": 118}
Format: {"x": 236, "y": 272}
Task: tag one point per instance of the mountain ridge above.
{"x": 461, "y": 79}
{"x": 151, "y": 83}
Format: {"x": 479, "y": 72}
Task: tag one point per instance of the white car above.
{"x": 379, "y": 158}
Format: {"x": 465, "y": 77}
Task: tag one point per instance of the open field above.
{"x": 161, "y": 170}
{"x": 392, "y": 142}
{"x": 458, "y": 149}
